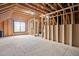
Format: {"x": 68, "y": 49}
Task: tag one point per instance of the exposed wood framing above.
{"x": 72, "y": 14}
{"x": 39, "y": 7}
{"x": 68, "y": 4}
{"x": 67, "y": 19}
{"x": 65, "y": 13}
{"x": 36, "y": 8}
{"x": 52, "y": 7}
{"x": 60, "y": 5}
{"x": 57, "y": 28}
{"x": 3, "y": 4}
{"x": 42, "y": 25}
{"x": 30, "y": 7}
{"x": 43, "y": 6}
{"x": 6, "y": 10}
{"x": 7, "y": 7}
{"x": 61, "y": 10}
{"x": 63, "y": 29}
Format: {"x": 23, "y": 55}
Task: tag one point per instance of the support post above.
{"x": 72, "y": 22}
{"x": 48, "y": 19}
{"x": 63, "y": 29}
{"x": 42, "y": 34}
{"x": 34, "y": 27}
{"x": 57, "y": 29}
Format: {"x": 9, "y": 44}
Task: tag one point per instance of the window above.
{"x": 19, "y": 26}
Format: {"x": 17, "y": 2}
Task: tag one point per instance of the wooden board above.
{"x": 68, "y": 34}
{"x": 51, "y": 32}
{"x": 75, "y": 37}
{"x": 61, "y": 33}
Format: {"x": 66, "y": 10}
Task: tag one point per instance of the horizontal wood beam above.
{"x": 52, "y": 7}
{"x": 4, "y": 11}
{"x": 25, "y": 7}
{"x": 36, "y": 8}
{"x": 68, "y": 4}
{"x": 64, "y": 14}
{"x": 61, "y": 10}
{"x": 3, "y": 4}
{"x": 7, "y": 7}
{"x": 45, "y": 7}
{"x": 20, "y": 11}
{"x": 41, "y": 7}
{"x": 60, "y": 5}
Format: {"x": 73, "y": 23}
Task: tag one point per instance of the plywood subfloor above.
{"x": 26, "y": 45}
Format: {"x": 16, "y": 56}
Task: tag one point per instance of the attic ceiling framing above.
{"x": 62, "y": 9}
{"x": 5, "y": 8}
{"x": 45, "y": 7}
{"x": 60, "y": 5}
{"x": 52, "y": 7}
{"x": 35, "y": 8}
{"x": 40, "y": 7}
{"x": 2, "y": 4}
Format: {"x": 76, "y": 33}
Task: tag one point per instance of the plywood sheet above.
{"x": 51, "y": 32}
{"x": 61, "y": 33}
{"x": 68, "y": 34}
{"x": 75, "y": 39}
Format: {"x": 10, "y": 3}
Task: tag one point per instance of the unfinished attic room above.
{"x": 39, "y": 29}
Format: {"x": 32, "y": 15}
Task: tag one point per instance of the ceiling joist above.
{"x": 68, "y": 4}
{"x": 45, "y": 7}
{"x": 7, "y": 7}
{"x": 36, "y": 8}
{"x": 62, "y": 9}
{"x": 60, "y": 5}
{"x": 3, "y": 4}
{"x": 52, "y": 7}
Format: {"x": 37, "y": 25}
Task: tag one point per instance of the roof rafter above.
{"x": 6, "y": 10}
{"x": 36, "y": 8}
{"x": 60, "y": 5}
{"x": 52, "y": 7}
{"x": 45, "y": 7}
{"x": 61, "y": 9}
{"x": 40, "y": 7}
{"x": 68, "y": 4}
{"x": 7, "y": 7}
{"x": 3, "y": 4}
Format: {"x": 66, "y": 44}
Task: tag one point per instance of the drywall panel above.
{"x": 75, "y": 40}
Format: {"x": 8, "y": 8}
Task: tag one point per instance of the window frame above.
{"x": 20, "y": 28}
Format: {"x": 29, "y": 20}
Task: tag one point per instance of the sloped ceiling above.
{"x": 32, "y": 9}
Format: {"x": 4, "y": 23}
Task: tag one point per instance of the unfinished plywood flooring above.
{"x": 25, "y": 45}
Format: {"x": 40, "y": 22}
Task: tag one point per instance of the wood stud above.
{"x": 65, "y": 21}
